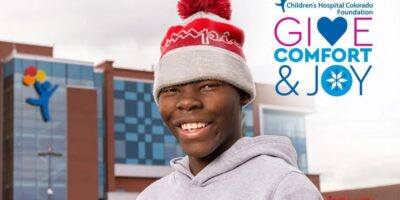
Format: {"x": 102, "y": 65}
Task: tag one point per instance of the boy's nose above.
{"x": 188, "y": 104}
{"x": 189, "y": 101}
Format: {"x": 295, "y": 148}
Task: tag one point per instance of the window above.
{"x": 73, "y": 71}
{"x": 45, "y": 66}
{"x": 139, "y": 127}
{"x": 87, "y": 73}
{"x": 118, "y": 85}
{"x": 290, "y": 124}
{"x": 59, "y": 70}
{"x": 120, "y": 149}
{"x": 98, "y": 78}
{"x": 247, "y": 121}
{"x": 8, "y": 68}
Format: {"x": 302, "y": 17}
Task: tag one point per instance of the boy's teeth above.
{"x": 192, "y": 126}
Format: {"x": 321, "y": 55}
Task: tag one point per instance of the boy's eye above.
{"x": 210, "y": 86}
{"x": 170, "y": 90}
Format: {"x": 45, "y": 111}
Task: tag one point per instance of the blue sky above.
{"x": 353, "y": 141}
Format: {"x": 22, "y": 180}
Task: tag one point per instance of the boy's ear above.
{"x": 244, "y": 98}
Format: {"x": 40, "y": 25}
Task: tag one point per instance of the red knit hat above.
{"x": 205, "y": 46}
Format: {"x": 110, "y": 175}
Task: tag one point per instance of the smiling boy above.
{"x": 202, "y": 82}
{"x": 205, "y": 117}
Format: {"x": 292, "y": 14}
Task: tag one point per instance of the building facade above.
{"x": 72, "y": 129}
{"x": 389, "y": 192}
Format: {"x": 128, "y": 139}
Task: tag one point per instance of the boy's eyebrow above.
{"x": 191, "y": 82}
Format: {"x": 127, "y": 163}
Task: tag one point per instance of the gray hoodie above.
{"x": 259, "y": 168}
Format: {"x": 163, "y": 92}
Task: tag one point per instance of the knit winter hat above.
{"x": 204, "y": 47}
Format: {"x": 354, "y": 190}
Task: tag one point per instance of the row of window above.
{"x": 52, "y": 69}
{"x": 99, "y": 85}
{"x": 140, "y": 134}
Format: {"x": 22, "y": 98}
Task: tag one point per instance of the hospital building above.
{"x": 71, "y": 129}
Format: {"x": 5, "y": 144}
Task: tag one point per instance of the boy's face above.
{"x": 204, "y": 116}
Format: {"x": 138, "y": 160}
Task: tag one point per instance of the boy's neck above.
{"x": 198, "y": 164}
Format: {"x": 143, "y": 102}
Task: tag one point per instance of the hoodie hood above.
{"x": 242, "y": 151}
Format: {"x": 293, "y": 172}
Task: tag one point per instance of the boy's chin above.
{"x": 198, "y": 151}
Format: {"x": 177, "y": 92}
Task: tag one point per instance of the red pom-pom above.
{"x": 222, "y": 8}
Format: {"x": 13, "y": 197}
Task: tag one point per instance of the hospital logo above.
{"x": 281, "y": 5}
{"x": 37, "y": 78}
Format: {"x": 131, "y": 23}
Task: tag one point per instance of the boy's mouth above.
{"x": 193, "y": 127}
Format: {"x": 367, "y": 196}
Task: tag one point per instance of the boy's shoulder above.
{"x": 158, "y": 188}
{"x": 266, "y": 165}
{"x": 280, "y": 179}
{"x": 289, "y": 181}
